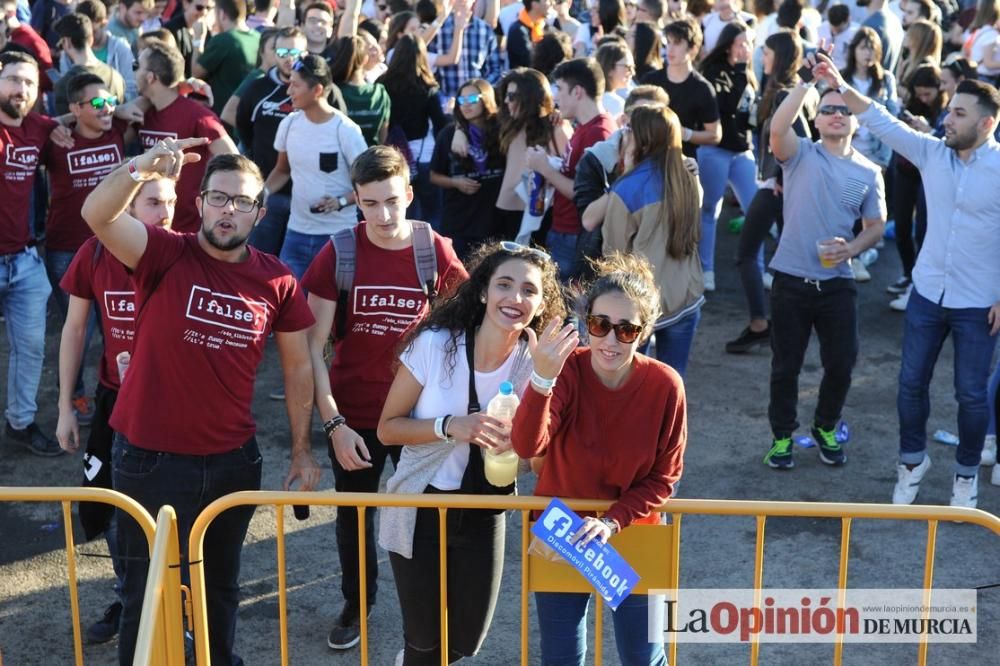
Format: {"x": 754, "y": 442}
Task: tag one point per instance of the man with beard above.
{"x": 205, "y": 305}
{"x": 24, "y": 287}
{"x": 261, "y": 109}
{"x": 956, "y": 282}
{"x": 173, "y": 116}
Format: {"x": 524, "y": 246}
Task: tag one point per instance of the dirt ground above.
{"x": 728, "y": 438}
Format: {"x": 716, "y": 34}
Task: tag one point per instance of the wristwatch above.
{"x": 342, "y": 202}
{"x": 612, "y": 525}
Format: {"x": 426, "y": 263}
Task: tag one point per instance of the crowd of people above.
{"x": 421, "y": 202}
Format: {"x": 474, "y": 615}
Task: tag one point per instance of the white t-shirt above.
{"x": 985, "y": 39}
{"x": 713, "y": 24}
{"x": 446, "y": 391}
{"x": 320, "y": 156}
{"x": 613, "y": 104}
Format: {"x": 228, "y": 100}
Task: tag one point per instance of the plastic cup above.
{"x": 123, "y": 359}
{"x": 823, "y": 249}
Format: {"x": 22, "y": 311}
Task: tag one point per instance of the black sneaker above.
{"x": 749, "y": 339}
{"x": 106, "y": 628}
{"x": 830, "y": 450}
{"x": 780, "y": 455}
{"x": 899, "y": 286}
{"x": 347, "y": 632}
{"x": 34, "y": 440}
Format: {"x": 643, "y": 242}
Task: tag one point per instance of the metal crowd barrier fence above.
{"x": 654, "y": 551}
{"x": 161, "y": 630}
{"x": 66, "y": 497}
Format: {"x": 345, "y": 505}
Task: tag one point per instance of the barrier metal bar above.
{"x": 758, "y": 509}
{"x": 758, "y": 583}
{"x": 363, "y": 583}
{"x": 932, "y": 526}
{"x": 525, "y": 539}
{"x": 675, "y": 578}
{"x": 845, "y": 542}
{"x": 282, "y": 583}
{"x": 66, "y": 496}
{"x": 161, "y": 630}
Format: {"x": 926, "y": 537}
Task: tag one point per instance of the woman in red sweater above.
{"x": 611, "y": 424}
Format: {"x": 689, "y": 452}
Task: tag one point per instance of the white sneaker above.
{"x": 768, "y": 280}
{"x": 709, "y": 277}
{"x": 899, "y": 304}
{"x": 908, "y": 483}
{"x": 964, "y": 492}
{"x": 861, "y": 273}
{"x": 989, "y": 451}
{"x": 995, "y": 477}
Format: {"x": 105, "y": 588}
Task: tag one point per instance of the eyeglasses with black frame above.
{"x": 626, "y": 332}
{"x": 241, "y": 202}
{"x": 517, "y": 248}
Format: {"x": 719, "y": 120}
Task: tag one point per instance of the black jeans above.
{"x": 359, "y": 481}
{"x": 189, "y": 484}
{"x": 911, "y": 210}
{"x": 475, "y": 563}
{"x": 797, "y": 307}
{"x": 764, "y": 210}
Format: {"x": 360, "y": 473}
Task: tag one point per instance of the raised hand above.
{"x": 550, "y": 350}
{"x": 167, "y": 157}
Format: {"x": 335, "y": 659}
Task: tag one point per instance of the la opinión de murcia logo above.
{"x": 89, "y": 160}
{"x": 24, "y": 158}
{"x": 226, "y": 310}
{"x": 120, "y": 305}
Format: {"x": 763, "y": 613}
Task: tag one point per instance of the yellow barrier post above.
{"x": 66, "y": 496}
{"x": 759, "y": 510}
{"x": 161, "y": 628}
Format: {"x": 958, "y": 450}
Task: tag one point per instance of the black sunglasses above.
{"x": 599, "y": 326}
{"x": 830, "y": 109}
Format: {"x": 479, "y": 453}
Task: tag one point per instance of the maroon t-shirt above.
{"x": 97, "y": 276}
{"x": 385, "y": 303}
{"x": 21, "y": 149}
{"x": 184, "y": 119}
{"x": 565, "y": 217}
{"x": 73, "y": 174}
{"x": 200, "y": 329}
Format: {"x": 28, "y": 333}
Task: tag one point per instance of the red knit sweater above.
{"x": 625, "y": 444}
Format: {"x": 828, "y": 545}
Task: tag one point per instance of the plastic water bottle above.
{"x": 501, "y": 468}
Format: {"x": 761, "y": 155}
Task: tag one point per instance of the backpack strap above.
{"x": 425, "y": 256}
{"x": 346, "y": 245}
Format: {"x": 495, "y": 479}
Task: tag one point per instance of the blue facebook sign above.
{"x": 600, "y": 564}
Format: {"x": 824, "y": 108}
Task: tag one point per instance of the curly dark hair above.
{"x": 465, "y": 309}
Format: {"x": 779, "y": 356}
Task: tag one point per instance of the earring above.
{"x": 482, "y": 299}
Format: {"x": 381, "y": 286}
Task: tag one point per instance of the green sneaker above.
{"x": 780, "y": 455}
{"x": 830, "y": 450}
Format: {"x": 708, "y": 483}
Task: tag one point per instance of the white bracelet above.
{"x": 439, "y": 428}
{"x": 542, "y": 382}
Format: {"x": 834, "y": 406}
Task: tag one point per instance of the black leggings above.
{"x": 475, "y": 563}
{"x": 764, "y": 210}
{"x": 909, "y": 198}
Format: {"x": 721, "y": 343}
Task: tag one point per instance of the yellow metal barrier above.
{"x": 66, "y": 497}
{"x": 668, "y": 539}
{"x": 161, "y": 630}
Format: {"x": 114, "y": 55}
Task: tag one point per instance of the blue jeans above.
{"x": 562, "y": 623}
{"x": 673, "y": 343}
{"x": 24, "y": 294}
{"x": 562, "y": 249}
{"x": 56, "y": 264}
{"x": 992, "y": 398}
{"x": 926, "y": 327}
{"x": 269, "y": 234}
{"x": 299, "y": 250}
{"x": 189, "y": 484}
{"x": 716, "y": 167}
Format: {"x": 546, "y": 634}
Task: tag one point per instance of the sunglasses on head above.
{"x": 288, "y": 53}
{"x": 100, "y": 102}
{"x": 626, "y": 332}
{"x": 517, "y": 248}
{"x": 468, "y": 99}
{"x": 830, "y": 109}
